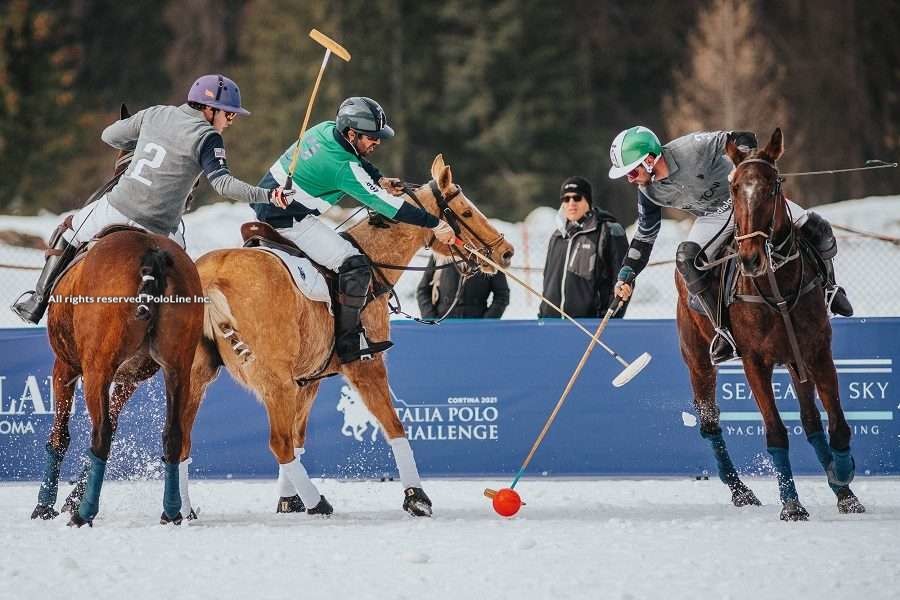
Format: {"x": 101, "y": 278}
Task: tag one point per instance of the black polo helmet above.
{"x": 364, "y": 115}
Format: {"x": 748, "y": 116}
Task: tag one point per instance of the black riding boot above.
{"x": 818, "y": 232}
{"x": 722, "y": 347}
{"x": 351, "y": 343}
{"x": 60, "y": 254}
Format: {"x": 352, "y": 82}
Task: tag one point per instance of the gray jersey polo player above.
{"x": 172, "y": 146}
{"x": 333, "y": 165}
{"x": 691, "y": 173}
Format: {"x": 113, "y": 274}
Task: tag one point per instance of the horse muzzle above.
{"x": 754, "y": 264}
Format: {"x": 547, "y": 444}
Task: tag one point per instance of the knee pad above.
{"x": 695, "y": 279}
{"x": 818, "y": 231}
{"x": 354, "y": 278}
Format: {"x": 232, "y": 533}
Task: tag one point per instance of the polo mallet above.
{"x": 631, "y": 369}
{"x": 488, "y": 492}
{"x": 331, "y": 47}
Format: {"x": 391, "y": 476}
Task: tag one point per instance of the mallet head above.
{"x": 330, "y": 44}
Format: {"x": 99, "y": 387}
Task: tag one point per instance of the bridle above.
{"x": 470, "y": 263}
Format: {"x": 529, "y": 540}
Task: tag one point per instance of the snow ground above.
{"x": 606, "y": 538}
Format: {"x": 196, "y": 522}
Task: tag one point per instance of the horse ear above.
{"x": 437, "y": 166}
{"x": 736, "y": 155}
{"x": 123, "y": 112}
{"x": 775, "y": 148}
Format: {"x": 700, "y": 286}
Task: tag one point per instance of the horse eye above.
{"x": 467, "y": 214}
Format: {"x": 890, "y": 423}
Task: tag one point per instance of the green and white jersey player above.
{"x": 332, "y": 165}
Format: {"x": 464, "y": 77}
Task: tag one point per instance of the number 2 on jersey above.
{"x": 159, "y": 153}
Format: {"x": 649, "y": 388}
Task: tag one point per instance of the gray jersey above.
{"x": 172, "y": 146}
{"x": 698, "y": 174}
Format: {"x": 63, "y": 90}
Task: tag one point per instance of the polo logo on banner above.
{"x": 457, "y": 418}
{"x": 357, "y": 417}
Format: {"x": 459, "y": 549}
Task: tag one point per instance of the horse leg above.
{"x": 703, "y": 382}
{"x": 370, "y": 380}
{"x": 204, "y": 369}
{"x": 122, "y": 391}
{"x": 96, "y": 396}
{"x": 64, "y": 377}
{"x": 841, "y": 466}
{"x": 289, "y": 500}
{"x": 281, "y": 404}
{"x": 759, "y": 376}
{"x": 177, "y": 379}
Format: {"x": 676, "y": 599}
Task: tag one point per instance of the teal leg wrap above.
{"x": 50, "y": 485}
{"x": 843, "y": 469}
{"x": 90, "y": 505}
{"x": 727, "y": 473}
{"x": 786, "y": 487}
{"x": 823, "y": 453}
{"x": 171, "y": 495}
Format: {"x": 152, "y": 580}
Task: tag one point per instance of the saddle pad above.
{"x": 306, "y": 277}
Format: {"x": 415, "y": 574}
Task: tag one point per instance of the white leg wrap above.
{"x": 296, "y": 473}
{"x": 183, "y": 486}
{"x": 286, "y": 489}
{"x": 406, "y": 464}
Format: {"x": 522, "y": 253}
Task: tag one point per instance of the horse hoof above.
{"x": 793, "y": 511}
{"x": 165, "y": 520}
{"x": 192, "y": 516}
{"x": 744, "y": 496}
{"x": 847, "y": 502}
{"x": 290, "y": 504}
{"x": 44, "y": 511}
{"x": 416, "y": 502}
{"x": 322, "y": 508}
{"x": 77, "y": 521}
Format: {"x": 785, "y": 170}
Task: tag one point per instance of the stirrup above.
{"x": 831, "y": 293}
{"x": 725, "y": 336}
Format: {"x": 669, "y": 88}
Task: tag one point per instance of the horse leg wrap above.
{"x": 786, "y": 488}
{"x": 727, "y": 473}
{"x": 826, "y": 458}
{"x": 298, "y": 476}
{"x": 90, "y": 504}
{"x": 50, "y": 485}
{"x": 186, "y": 507}
{"x": 171, "y": 494}
{"x": 842, "y": 469}
{"x": 406, "y": 464}
{"x": 286, "y": 489}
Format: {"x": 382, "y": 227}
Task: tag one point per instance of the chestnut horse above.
{"x": 269, "y": 336}
{"x": 779, "y": 317}
{"x": 105, "y": 327}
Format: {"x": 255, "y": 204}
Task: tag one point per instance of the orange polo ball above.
{"x": 507, "y": 502}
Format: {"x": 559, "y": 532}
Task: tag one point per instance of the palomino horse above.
{"x": 255, "y": 312}
{"x": 117, "y": 336}
{"x": 779, "y": 318}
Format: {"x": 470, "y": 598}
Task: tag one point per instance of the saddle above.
{"x": 257, "y": 234}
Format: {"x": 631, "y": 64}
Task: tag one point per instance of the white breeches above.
{"x": 91, "y": 219}
{"x": 707, "y": 226}
{"x": 320, "y": 242}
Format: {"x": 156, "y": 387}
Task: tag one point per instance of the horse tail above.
{"x": 219, "y": 319}
{"x": 154, "y": 266}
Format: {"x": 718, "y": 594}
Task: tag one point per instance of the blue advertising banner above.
{"x": 473, "y": 396}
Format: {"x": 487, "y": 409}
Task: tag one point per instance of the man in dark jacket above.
{"x": 584, "y": 255}
{"x": 438, "y": 289}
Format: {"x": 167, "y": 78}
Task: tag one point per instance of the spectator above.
{"x": 584, "y": 255}
{"x": 438, "y": 289}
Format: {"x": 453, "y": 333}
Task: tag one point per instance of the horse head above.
{"x": 447, "y": 200}
{"x": 760, "y": 212}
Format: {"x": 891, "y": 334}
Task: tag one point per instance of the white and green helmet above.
{"x": 630, "y": 148}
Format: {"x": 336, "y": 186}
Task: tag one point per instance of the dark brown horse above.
{"x": 106, "y": 327}
{"x": 779, "y": 317}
